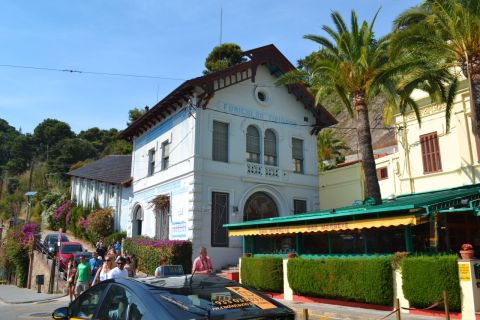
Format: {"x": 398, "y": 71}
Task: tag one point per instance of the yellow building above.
{"x": 429, "y": 157}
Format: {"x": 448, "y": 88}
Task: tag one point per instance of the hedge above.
{"x": 148, "y": 252}
{"x": 367, "y": 280}
{"x": 263, "y": 273}
{"x": 426, "y": 277}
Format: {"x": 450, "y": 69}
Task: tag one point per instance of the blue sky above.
{"x": 144, "y": 37}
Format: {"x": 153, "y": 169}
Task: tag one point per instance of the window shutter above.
{"x": 166, "y": 149}
{"x": 270, "y": 143}
{"x": 297, "y": 149}
{"x": 253, "y": 140}
{"x": 430, "y": 153}
{"x": 220, "y": 141}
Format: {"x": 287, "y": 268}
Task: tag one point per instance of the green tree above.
{"x": 70, "y": 151}
{"x": 22, "y": 151}
{"x": 135, "y": 114}
{"x": 99, "y": 138}
{"x": 118, "y": 147}
{"x": 223, "y": 56}
{"x": 329, "y": 147}
{"x": 446, "y": 31}
{"x": 48, "y": 133}
{"x": 356, "y": 68}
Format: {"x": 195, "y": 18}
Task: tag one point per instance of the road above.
{"x": 36, "y": 310}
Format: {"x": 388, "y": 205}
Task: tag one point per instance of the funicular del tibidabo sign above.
{"x": 436, "y": 221}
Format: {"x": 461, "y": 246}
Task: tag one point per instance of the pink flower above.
{"x": 467, "y": 247}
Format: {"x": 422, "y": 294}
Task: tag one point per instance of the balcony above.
{"x": 260, "y": 170}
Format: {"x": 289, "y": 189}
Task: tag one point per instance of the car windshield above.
{"x": 53, "y": 239}
{"x": 70, "y": 248}
{"x": 214, "y": 299}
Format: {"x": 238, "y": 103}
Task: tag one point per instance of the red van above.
{"x": 66, "y": 252}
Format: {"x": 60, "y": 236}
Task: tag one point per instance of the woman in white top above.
{"x": 103, "y": 273}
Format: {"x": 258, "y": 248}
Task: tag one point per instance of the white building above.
{"x": 107, "y": 182}
{"x": 224, "y": 148}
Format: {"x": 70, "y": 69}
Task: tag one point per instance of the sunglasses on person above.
{"x": 121, "y": 263}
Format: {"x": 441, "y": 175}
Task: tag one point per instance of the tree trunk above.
{"x": 471, "y": 70}
{"x": 366, "y": 150}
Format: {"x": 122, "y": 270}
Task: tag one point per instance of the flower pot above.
{"x": 467, "y": 254}
{"x": 247, "y": 254}
{"x": 291, "y": 255}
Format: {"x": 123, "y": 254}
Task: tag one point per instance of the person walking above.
{"x": 203, "y": 263}
{"x": 103, "y": 273}
{"x": 119, "y": 271}
{"x": 95, "y": 264}
{"x": 159, "y": 271}
{"x": 101, "y": 248}
{"x": 71, "y": 273}
{"x": 83, "y": 276}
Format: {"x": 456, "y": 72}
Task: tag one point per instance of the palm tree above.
{"x": 329, "y": 147}
{"x": 447, "y": 31}
{"x": 351, "y": 67}
{"x": 356, "y": 67}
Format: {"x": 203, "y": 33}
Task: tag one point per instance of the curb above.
{"x": 33, "y": 301}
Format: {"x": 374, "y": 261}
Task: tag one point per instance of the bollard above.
{"x": 305, "y": 314}
{"x": 445, "y": 303}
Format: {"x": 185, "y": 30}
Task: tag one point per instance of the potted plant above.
{"x": 466, "y": 251}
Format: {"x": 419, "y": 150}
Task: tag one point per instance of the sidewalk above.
{"x": 14, "y": 295}
{"x": 320, "y": 311}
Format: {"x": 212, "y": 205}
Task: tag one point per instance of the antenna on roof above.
{"x": 221, "y": 23}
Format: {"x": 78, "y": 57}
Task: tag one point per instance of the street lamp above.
{"x": 29, "y": 195}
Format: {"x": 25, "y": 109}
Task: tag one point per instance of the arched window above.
{"x": 253, "y": 145}
{"x": 259, "y": 206}
{"x": 270, "y": 148}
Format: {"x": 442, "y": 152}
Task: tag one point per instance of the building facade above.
{"x": 224, "y": 148}
{"x": 105, "y": 182}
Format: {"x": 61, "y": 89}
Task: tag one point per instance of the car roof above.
{"x": 70, "y": 243}
{"x": 55, "y": 235}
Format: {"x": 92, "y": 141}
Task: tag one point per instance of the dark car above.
{"x": 180, "y": 297}
{"x": 50, "y": 243}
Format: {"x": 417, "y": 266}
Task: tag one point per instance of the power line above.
{"x": 91, "y": 72}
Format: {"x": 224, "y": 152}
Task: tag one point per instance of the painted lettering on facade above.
{"x": 254, "y": 114}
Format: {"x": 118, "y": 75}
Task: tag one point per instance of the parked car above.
{"x": 50, "y": 243}
{"x": 66, "y": 251}
{"x": 181, "y": 297}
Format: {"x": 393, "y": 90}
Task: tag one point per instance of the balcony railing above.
{"x": 257, "y": 169}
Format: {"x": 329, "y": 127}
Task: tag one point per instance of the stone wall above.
{"x": 43, "y": 266}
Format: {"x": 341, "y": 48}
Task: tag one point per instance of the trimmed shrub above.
{"x": 77, "y": 213}
{"x": 367, "y": 280}
{"x": 426, "y": 277}
{"x": 148, "y": 252}
{"x": 263, "y": 273}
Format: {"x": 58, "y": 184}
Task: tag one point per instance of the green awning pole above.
{"x": 329, "y": 244}
{"x": 297, "y": 243}
{"x": 365, "y": 242}
{"x": 408, "y": 238}
{"x": 243, "y": 245}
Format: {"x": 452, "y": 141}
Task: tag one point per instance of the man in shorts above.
{"x": 83, "y": 276}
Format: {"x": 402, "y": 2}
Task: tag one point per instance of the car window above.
{"x": 121, "y": 303}
{"x": 71, "y": 248}
{"x": 85, "y": 305}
